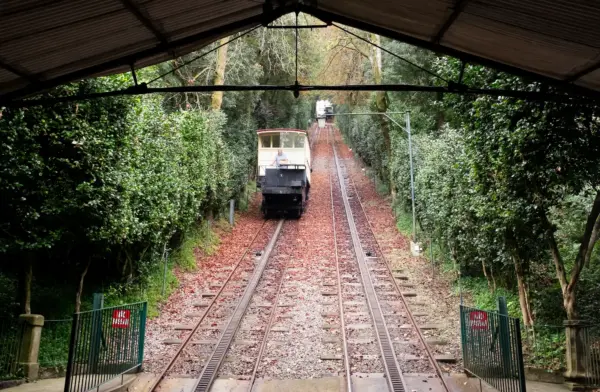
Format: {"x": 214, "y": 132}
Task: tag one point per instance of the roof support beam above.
{"x": 17, "y": 71}
{"x": 145, "y": 20}
{"x": 582, "y": 72}
{"x": 457, "y": 9}
{"x": 144, "y": 89}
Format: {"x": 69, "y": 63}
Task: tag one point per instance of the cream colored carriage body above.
{"x": 293, "y": 142}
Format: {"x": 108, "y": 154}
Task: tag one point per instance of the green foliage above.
{"x": 199, "y": 238}
{"x": 403, "y": 221}
{"x": 111, "y": 181}
{"x": 545, "y": 348}
{"x": 54, "y": 347}
{"x": 484, "y": 298}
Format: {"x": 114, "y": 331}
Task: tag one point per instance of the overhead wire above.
{"x": 392, "y": 53}
{"x": 203, "y": 54}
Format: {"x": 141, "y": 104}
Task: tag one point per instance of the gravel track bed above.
{"x": 212, "y": 271}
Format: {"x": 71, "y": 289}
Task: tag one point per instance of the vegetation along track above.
{"x": 191, "y": 356}
{"x": 389, "y": 309}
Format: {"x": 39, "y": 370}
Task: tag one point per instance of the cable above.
{"x": 203, "y": 54}
{"x": 392, "y": 53}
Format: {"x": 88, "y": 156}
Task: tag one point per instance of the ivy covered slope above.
{"x": 509, "y": 189}
{"x": 101, "y": 186}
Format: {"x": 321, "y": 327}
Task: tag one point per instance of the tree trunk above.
{"x": 569, "y": 304}
{"x": 219, "y": 79}
{"x": 25, "y": 283}
{"x": 487, "y": 277}
{"x": 80, "y": 288}
{"x": 520, "y": 264}
{"x": 381, "y": 101}
{"x": 523, "y": 297}
{"x": 493, "y": 278}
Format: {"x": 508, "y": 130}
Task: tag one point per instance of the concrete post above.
{"x": 231, "y": 211}
{"x": 575, "y": 376}
{"x": 30, "y": 344}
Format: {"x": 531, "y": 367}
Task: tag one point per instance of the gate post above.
{"x": 504, "y": 336}
{"x": 575, "y": 376}
{"x": 30, "y": 344}
{"x": 96, "y": 332}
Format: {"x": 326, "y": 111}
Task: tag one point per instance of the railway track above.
{"x": 376, "y": 278}
{"x": 219, "y": 304}
{"x": 368, "y": 307}
{"x": 215, "y": 352}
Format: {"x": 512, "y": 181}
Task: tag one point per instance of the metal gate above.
{"x": 105, "y": 343}
{"x": 492, "y": 351}
{"x": 11, "y": 333}
{"x": 591, "y": 355}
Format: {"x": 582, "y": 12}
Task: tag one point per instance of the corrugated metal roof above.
{"x": 47, "y": 42}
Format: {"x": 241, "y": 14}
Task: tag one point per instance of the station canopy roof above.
{"x": 44, "y": 43}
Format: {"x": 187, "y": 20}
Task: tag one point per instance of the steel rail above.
{"x": 209, "y": 372}
{"x": 395, "y": 378}
{"x": 263, "y": 344}
{"x": 412, "y": 319}
{"x": 208, "y": 308}
{"x": 340, "y": 301}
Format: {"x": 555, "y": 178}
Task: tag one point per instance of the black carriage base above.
{"x": 284, "y": 190}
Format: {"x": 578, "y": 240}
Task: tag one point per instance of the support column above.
{"x": 575, "y": 376}
{"x": 30, "y": 344}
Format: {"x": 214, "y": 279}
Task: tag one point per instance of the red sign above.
{"x": 479, "y": 319}
{"x": 120, "y": 318}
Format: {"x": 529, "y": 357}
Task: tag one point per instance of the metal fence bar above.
{"x": 491, "y": 344}
{"x": 11, "y": 333}
{"x": 591, "y": 353}
{"x": 105, "y": 343}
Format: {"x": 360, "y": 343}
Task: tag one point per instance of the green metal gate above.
{"x": 492, "y": 351}
{"x": 11, "y": 333}
{"x": 105, "y": 343}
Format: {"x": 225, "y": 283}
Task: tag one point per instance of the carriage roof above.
{"x": 281, "y": 130}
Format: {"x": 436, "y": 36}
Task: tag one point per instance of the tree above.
{"x": 530, "y": 156}
{"x": 219, "y": 79}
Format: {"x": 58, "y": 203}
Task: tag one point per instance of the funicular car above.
{"x": 284, "y": 166}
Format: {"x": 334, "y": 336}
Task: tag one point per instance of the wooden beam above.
{"x": 582, "y": 72}
{"x": 145, "y": 19}
{"x": 17, "y": 71}
{"x": 457, "y": 9}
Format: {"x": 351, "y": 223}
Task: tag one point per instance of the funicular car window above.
{"x": 265, "y": 141}
{"x": 275, "y": 141}
{"x": 299, "y": 142}
{"x": 288, "y": 139}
